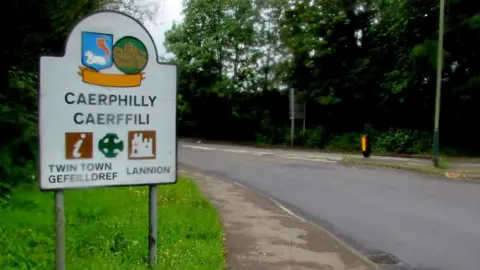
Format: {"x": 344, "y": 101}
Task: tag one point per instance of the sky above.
{"x": 169, "y": 11}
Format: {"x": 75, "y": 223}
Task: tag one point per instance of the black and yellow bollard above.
{"x": 366, "y": 147}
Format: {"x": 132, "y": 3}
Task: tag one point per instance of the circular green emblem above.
{"x": 110, "y": 145}
{"x": 130, "y": 55}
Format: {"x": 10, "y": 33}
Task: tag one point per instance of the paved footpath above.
{"x": 261, "y": 234}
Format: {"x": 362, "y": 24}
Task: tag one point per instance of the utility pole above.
{"x": 436, "y": 147}
{"x": 292, "y": 115}
{"x": 304, "y": 118}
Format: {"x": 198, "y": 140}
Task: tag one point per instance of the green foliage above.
{"x": 274, "y": 136}
{"x": 429, "y": 50}
{"x": 369, "y": 130}
{"x": 355, "y": 62}
{"x": 403, "y": 141}
{"x": 473, "y": 22}
{"x": 443, "y": 164}
{"x": 392, "y": 141}
{"x": 312, "y": 138}
{"x": 349, "y": 141}
{"x": 18, "y": 148}
{"x": 315, "y": 138}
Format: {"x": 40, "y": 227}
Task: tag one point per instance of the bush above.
{"x": 391, "y": 141}
{"x": 403, "y": 141}
{"x": 315, "y": 138}
{"x": 273, "y": 136}
{"x": 13, "y": 174}
{"x": 298, "y": 136}
{"x": 349, "y": 141}
{"x": 18, "y": 116}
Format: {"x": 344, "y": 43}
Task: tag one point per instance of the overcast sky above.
{"x": 168, "y": 13}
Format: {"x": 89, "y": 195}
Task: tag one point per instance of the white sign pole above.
{"x": 59, "y": 230}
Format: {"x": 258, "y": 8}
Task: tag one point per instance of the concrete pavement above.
{"x": 405, "y": 220}
{"x": 261, "y": 234}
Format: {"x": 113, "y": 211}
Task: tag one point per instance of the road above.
{"x": 410, "y": 220}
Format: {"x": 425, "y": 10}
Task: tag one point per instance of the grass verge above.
{"x": 106, "y": 228}
{"x": 444, "y": 170}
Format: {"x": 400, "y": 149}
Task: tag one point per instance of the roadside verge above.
{"x": 453, "y": 172}
{"x": 107, "y": 228}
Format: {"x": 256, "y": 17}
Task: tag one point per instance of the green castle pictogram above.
{"x": 110, "y": 145}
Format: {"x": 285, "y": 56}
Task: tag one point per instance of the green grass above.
{"x": 106, "y": 228}
{"x": 443, "y": 164}
{"x": 445, "y": 169}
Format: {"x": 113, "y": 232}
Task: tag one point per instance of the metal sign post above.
{"x": 107, "y": 116}
{"x": 297, "y": 111}
{"x": 152, "y": 226}
{"x": 304, "y": 118}
{"x": 59, "y": 230}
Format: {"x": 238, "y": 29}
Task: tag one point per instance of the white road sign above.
{"x": 107, "y": 108}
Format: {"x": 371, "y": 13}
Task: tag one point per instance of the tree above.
{"x": 358, "y": 62}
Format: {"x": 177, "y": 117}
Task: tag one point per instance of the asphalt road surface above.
{"x": 405, "y": 220}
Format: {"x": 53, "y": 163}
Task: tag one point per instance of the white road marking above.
{"x": 236, "y": 151}
{"x": 199, "y": 147}
{"x": 287, "y": 210}
{"x": 309, "y": 159}
{"x": 238, "y": 184}
{"x": 246, "y": 152}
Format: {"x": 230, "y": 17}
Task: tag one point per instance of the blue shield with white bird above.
{"x": 97, "y": 50}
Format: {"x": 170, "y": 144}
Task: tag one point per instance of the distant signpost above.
{"x": 298, "y": 110}
{"x": 107, "y": 114}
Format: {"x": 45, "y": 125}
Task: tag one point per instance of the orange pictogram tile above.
{"x": 78, "y": 145}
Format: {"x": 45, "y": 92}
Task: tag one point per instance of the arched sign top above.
{"x": 113, "y": 23}
{"x": 108, "y": 42}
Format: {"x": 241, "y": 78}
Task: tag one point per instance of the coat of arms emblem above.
{"x": 99, "y": 53}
